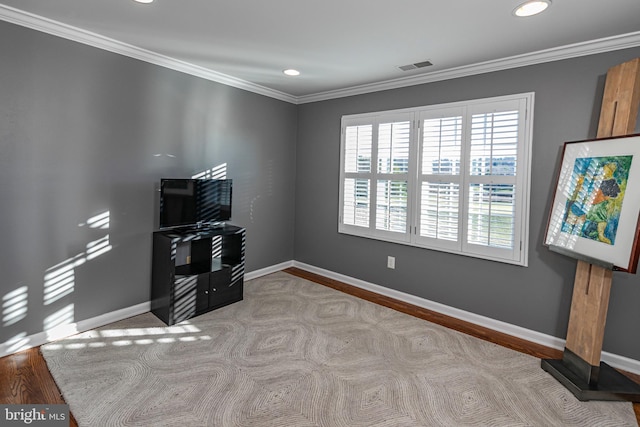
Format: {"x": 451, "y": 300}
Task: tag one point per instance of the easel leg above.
{"x": 587, "y": 320}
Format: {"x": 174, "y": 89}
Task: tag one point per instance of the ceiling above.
{"x": 339, "y": 46}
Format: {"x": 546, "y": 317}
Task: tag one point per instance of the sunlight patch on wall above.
{"x": 99, "y": 221}
{"x": 59, "y": 280}
{"x": 14, "y": 306}
{"x": 98, "y": 247}
{"x": 61, "y": 317}
{"x": 217, "y": 172}
{"x": 17, "y": 343}
{"x": 60, "y": 324}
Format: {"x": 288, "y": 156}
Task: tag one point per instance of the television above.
{"x": 189, "y": 202}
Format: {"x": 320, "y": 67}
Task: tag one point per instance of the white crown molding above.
{"x": 69, "y": 32}
{"x": 59, "y": 29}
{"x": 623, "y": 41}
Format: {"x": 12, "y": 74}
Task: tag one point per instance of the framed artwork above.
{"x": 596, "y": 206}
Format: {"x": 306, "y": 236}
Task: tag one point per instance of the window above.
{"x": 451, "y": 177}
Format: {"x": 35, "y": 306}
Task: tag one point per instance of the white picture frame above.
{"x": 596, "y": 205}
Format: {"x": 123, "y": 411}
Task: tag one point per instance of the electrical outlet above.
{"x": 391, "y": 262}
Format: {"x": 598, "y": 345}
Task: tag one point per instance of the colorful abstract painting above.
{"x": 597, "y": 191}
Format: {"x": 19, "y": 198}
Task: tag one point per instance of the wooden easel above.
{"x": 580, "y": 369}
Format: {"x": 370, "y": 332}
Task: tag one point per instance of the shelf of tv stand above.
{"x": 196, "y": 270}
{"x": 212, "y": 265}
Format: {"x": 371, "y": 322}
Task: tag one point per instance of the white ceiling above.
{"x": 340, "y": 46}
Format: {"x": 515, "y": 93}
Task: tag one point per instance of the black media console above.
{"x": 196, "y": 270}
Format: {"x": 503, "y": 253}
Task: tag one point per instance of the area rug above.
{"x": 296, "y": 353}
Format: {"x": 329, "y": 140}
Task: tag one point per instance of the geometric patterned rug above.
{"x": 296, "y": 353}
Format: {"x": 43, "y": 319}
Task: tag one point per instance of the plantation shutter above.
{"x": 491, "y": 209}
{"x": 440, "y": 179}
{"x": 392, "y": 176}
{"x": 376, "y": 158}
{"x": 358, "y": 143}
{"x": 451, "y": 177}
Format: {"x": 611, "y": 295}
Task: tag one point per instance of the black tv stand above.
{"x": 196, "y": 269}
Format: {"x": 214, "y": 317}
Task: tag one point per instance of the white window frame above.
{"x": 518, "y": 254}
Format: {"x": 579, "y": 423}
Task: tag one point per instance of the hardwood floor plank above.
{"x": 26, "y": 378}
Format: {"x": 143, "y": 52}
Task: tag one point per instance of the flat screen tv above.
{"x": 185, "y": 202}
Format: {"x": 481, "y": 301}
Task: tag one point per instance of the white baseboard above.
{"x": 268, "y": 270}
{"x": 20, "y": 343}
{"x": 24, "y": 342}
{"x": 620, "y": 362}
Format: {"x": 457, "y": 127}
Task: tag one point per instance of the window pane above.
{"x": 441, "y": 146}
{"x": 356, "y": 202}
{"x": 357, "y": 151}
{"x": 393, "y": 147}
{"x": 494, "y": 143}
{"x": 491, "y": 215}
{"x": 439, "y": 210}
{"x": 391, "y": 208}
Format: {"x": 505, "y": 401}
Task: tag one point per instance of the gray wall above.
{"x": 567, "y": 104}
{"x": 84, "y": 132}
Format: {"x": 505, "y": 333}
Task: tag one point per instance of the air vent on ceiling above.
{"x": 416, "y": 65}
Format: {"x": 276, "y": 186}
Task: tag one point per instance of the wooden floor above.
{"x": 26, "y": 379}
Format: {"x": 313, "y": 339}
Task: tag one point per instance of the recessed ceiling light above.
{"x": 144, "y": 1}
{"x": 291, "y": 72}
{"x": 532, "y": 7}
